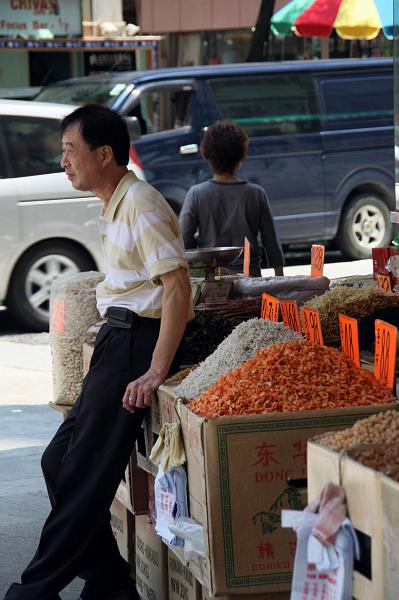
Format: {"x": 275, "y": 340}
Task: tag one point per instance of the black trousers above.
{"x": 83, "y": 466}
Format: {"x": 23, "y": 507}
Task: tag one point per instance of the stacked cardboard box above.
{"x": 241, "y": 472}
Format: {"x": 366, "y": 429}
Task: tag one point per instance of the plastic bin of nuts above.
{"x": 72, "y": 310}
{"x": 364, "y": 459}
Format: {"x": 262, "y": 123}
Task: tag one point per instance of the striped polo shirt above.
{"x": 141, "y": 241}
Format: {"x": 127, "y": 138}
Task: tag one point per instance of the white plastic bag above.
{"x": 193, "y": 535}
{"x": 321, "y": 571}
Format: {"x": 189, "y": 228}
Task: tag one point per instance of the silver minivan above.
{"x": 47, "y": 229}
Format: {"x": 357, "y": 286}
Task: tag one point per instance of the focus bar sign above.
{"x": 290, "y": 314}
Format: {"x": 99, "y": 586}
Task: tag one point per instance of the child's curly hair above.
{"x": 224, "y": 146}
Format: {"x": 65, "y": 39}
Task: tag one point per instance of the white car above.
{"x": 47, "y": 229}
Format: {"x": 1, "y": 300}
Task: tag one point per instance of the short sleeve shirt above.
{"x": 141, "y": 241}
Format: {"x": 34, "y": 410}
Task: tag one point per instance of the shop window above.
{"x": 268, "y": 105}
{"x": 353, "y": 101}
{"x": 34, "y": 145}
{"x": 163, "y": 110}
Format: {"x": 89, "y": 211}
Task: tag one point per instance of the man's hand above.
{"x": 176, "y": 299}
{"x": 139, "y": 393}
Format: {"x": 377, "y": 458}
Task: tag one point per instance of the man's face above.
{"x": 81, "y": 164}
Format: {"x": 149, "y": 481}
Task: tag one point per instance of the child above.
{"x": 225, "y": 210}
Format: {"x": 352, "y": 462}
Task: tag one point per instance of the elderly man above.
{"x": 146, "y": 300}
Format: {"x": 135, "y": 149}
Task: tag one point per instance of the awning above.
{"x": 351, "y": 19}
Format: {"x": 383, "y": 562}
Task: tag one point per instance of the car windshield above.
{"x": 102, "y": 91}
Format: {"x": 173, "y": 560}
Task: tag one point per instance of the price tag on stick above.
{"x": 385, "y": 352}
{"x": 384, "y": 282}
{"x": 317, "y": 261}
{"x": 270, "y": 307}
{"x": 312, "y": 326}
{"x": 349, "y": 338}
{"x": 247, "y": 257}
{"x": 290, "y": 314}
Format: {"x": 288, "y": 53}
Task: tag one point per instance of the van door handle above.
{"x": 189, "y": 149}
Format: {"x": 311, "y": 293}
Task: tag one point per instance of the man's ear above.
{"x": 106, "y": 154}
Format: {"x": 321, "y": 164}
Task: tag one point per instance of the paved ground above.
{"x": 27, "y": 424}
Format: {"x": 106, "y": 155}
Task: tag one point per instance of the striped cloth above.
{"x": 141, "y": 241}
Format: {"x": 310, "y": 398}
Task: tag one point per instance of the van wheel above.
{"x": 365, "y": 224}
{"x": 29, "y": 296}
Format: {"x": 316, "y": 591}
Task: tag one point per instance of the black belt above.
{"x": 117, "y": 316}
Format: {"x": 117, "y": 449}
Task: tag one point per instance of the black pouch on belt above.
{"x": 117, "y": 316}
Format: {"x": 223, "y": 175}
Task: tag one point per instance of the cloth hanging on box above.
{"x": 168, "y": 451}
{"x": 326, "y": 548}
{"x": 170, "y": 492}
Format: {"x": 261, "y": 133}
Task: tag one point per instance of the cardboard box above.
{"x": 373, "y": 508}
{"x": 144, "y": 445}
{"x": 122, "y": 523}
{"x": 182, "y": 583}
{"x": 273, "y": 596}
{"x": 390, "y": 529}
{"x": 241, "y": 472}
{"x": 151, "y": 562}
{"x": 133, "y": 489}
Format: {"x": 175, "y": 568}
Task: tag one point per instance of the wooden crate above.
{"x": 373, "y": 508}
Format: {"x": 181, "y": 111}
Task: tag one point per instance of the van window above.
{"x": 354, "y": 101}
{"x": 34, "y": 145}
{"x": 163, "y": 110}
{"x": 268, "y": 104}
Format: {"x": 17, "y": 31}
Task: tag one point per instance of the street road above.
{"x": 27, "y": 424}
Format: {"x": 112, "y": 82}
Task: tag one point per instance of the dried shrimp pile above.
{"x": 288, "y": 377}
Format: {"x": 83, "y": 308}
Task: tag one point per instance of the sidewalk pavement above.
{"x": 26, "y": 426}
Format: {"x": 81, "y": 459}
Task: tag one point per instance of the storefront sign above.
{"x": 312, "y": 326}
{"x": 290, "y": 314}
{"x": 349, "y": 338}
{"x": 385, "y": 352}
{"x": 270, "y": 308}
{"x": 317, "y": 261}
{"x": 26, "y": 17}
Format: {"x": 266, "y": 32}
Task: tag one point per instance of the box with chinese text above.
{"x": 241, "y": 472}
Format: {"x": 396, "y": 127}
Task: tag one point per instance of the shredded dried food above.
{"x": 203, "y": 335}
{"x": 291, "y": 376}
{"x": 352, "y": 302}
{"x": 381, "y": 428}
{"x": 75, "y": 299}
{"x": 246, "y": 339}
{"x": 380, "y": 458}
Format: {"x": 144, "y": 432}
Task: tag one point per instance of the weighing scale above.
{"x": 213, "y": 288}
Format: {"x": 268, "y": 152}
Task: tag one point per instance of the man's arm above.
{"x": 176, "y": 300}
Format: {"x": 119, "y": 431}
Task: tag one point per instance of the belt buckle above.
{"x": 118, "y": 316}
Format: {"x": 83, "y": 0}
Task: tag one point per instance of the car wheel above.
{"x": 365, "y": 224}
{"x": 29, "y": 296}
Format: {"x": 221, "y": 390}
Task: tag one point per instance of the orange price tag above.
{"x": 247, "y": 257}
{"x": 385, "y": 352}
{"x": 384, "y": 282}
{"x": 317, "y": 261}
{"x": 57, "y": 320}
{"x": 312, "y": 326}
{"x": 349, "y": 338}
{"x": 290, "y": 314}
{"x": 270, "y": 307}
